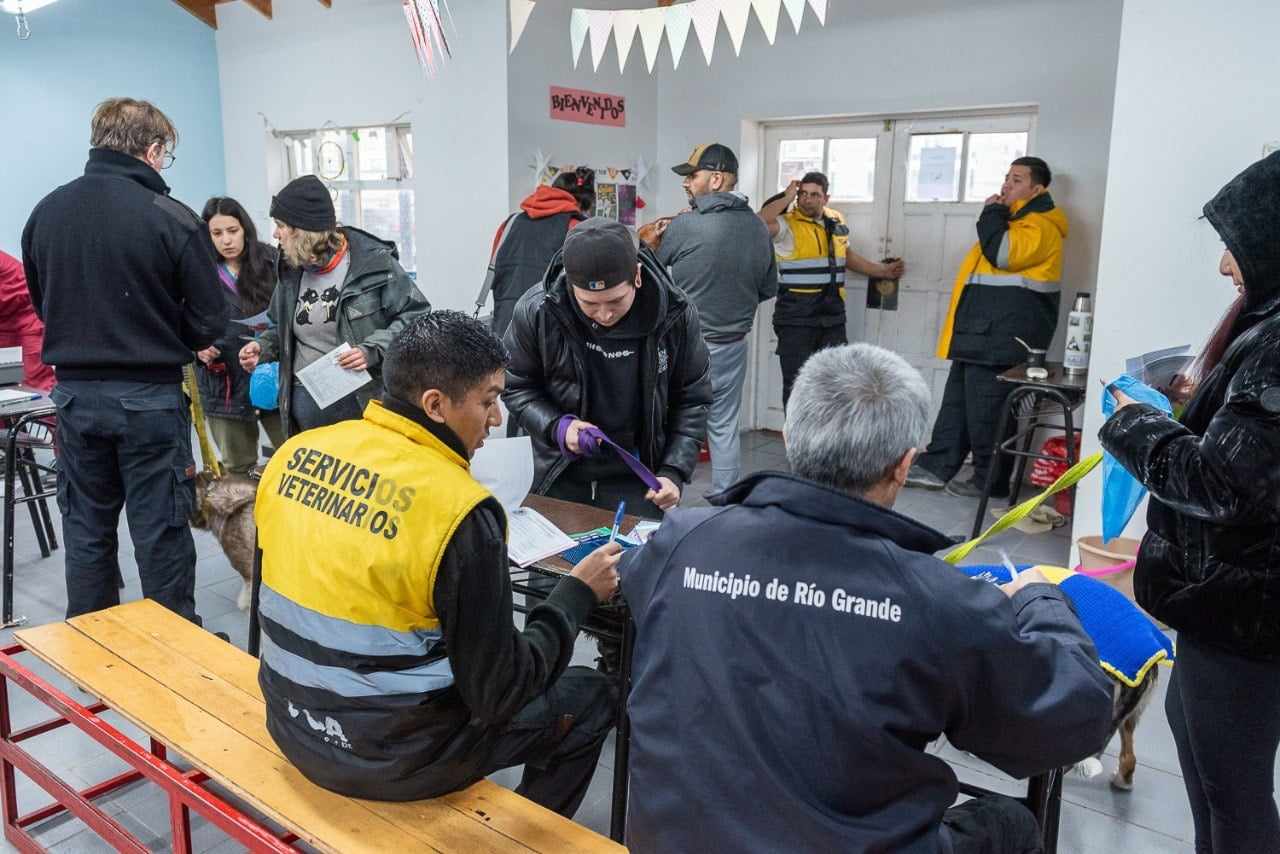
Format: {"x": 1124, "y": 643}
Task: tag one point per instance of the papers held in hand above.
{"x": 505, "y": 467}
{"x": 327, "y": 382}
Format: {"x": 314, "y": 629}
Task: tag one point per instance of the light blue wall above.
{"x": 81, "y": 52}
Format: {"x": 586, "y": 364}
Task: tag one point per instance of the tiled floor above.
{"x": 1152, "y": 818}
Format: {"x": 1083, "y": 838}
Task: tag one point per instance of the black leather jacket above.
{"x": 1210, "y": 563}
{"x": 546, "y": 376}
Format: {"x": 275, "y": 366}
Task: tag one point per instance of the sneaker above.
{"x": 921, "y": 478}
{"x": 222, "y": 636}
{"x": 971, "y": 488}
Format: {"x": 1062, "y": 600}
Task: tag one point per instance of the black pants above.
{"x": 992, "y": 824}
{"x": 558, "y": 737}
{"x": 797, "y": 343}
{"x": 970, "y": 413}
{"x": 126, "y": 445}
{"x": 1225, "y": 715}
{"x": 605, "y": 492}
{"x": 306, "y": 414}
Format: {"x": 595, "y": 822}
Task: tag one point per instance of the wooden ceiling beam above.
{"x": 263, "y": 6}
{"x": 202, "y": 9}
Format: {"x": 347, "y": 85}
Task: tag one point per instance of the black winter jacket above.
{"x": 546, "y": 376}
{"x": 224, "y": 385}
{"x": 122, "y": 275}
{"x": 1209, "y": 564}
{"x": 377, "y": 299}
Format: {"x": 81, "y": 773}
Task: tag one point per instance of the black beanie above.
{"x": 305, "y": 203}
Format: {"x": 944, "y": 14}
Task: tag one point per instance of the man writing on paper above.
{"x": 609, "y": 343}
{"x": 390, "y": 665}
{"x": 805, "y": 629}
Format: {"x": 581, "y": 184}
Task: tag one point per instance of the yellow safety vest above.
{"x": 811, "y": 278}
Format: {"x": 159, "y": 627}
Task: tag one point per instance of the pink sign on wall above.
{"x": 592, "y": 108}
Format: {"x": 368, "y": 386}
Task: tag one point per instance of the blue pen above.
{"x": 617, "y": 520}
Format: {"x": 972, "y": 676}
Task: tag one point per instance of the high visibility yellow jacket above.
{"x": 811, "y": 269}
{"x": 353, "y": 520}
{"x": 1008, "y": 285}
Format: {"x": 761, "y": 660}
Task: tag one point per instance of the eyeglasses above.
{"x": 167, "y": 158}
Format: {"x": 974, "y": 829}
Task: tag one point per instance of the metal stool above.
{"x": 26, "y": 433}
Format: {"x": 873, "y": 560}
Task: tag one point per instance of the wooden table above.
{"x": 611, "y": 621}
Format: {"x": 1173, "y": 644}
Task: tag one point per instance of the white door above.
{"x": 944, "y": 169}
{"x": 909, "y": 188}
{"x": 856, "y": 159}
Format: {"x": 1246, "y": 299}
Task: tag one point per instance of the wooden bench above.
{"x": 198, "y": 696}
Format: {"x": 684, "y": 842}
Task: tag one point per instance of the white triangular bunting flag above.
{"x": 651, "y": 24}
{"x": 520, "y": 10}
{"x": 795, "y": 8}
{"x": 767, "y": 13}
{"x": 577, "y": 33}
{"x": 820, "y": 9}
{"x": 736, "y": 14}
{"x": 678, "y": 19}
{"x": 600, "y": 23}
{"x": 625, "y": 22}
{"x": 706, "y": 20}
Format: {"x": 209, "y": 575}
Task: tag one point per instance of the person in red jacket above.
{"x": 19, "y": 325}
{"x": 526, "y": 240}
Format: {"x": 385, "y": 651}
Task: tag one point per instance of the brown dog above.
{"x": 225, "y": 506}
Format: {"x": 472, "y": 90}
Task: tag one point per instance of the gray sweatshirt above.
{"x": 720, "y": 254}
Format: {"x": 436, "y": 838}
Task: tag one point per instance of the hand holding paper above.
{"x": 327, "y": 381}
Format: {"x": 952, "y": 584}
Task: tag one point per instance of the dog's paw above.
{"x": 1088, "y": 768}
{"x": 246, "y": 594}
{"x": 1119, "y": 782}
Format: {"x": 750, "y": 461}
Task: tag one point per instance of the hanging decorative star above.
{"x": 539, "y": 166}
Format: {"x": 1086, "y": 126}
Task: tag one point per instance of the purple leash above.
{"x": 592, "y": 439}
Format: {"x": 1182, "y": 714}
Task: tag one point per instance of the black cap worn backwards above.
{"x": 305, "y": 204}
{"x": 713, "y": 157}
{"x": 599, "y": 254}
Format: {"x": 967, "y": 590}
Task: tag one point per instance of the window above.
{"x": 849, "y": 164}
{"x": 940, "y": 164}
{"x": 369, "y": 172}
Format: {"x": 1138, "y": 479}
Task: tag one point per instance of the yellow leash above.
{"x": 1069, "y": 478}
{"x": 211, "y": 462}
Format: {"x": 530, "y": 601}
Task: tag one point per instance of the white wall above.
{"x": 543, "y": 59}
{"x": 883, "y": 57}
{"x": 354, "y": 64}
{"x": 1195, "y": 103}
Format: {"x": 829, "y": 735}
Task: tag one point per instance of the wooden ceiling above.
{"x": 205, "y": 10}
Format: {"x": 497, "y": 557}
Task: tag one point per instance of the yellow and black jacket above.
{"x": 811, "y": 276}
{"x": 1008, "y": 285}
{"x": 389, "y": 659}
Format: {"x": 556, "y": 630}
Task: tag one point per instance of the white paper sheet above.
{"x": 326, "y": 382}
{"x": 257, "y": 322}
{"x": 531, "y": 537}
{"x": 505, "y": 468}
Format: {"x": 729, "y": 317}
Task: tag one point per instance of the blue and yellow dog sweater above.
{"x": 1128, "y": 642}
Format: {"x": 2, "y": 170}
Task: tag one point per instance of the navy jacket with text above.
{"x": 764, "y": 724}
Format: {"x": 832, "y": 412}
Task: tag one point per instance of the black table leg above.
{"x": 255, "y": 629}
{"x": 31, "y": 487}
{"x": 10, "y": 468}
{"x": 622, "y": 744}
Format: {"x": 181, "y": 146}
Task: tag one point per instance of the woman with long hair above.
{"x": 247, "y": 269}
{"x": 1209, "y": 565}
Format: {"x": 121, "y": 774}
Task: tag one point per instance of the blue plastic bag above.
{"x": 264, "y": 386}
{"x": 1121, "y": 491}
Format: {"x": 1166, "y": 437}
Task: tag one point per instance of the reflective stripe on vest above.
{"x": 343, "y": 635}
{"x": 1013, "y": 280}
{"x": 808, "y": 273}
{"x": 352, "y": 683}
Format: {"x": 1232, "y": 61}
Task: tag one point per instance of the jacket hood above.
{"x": 814, "y": 501}
{"x": 1042, "y": 204}
{"x": 549, "y": 201}
{"x": 1246, "y": 215}
{"x": 659, "y": 298}
{"x": 718, "y": 202}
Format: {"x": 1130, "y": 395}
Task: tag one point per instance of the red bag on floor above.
{"x": 1045, "y": 472}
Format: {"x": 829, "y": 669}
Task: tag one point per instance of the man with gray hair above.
{"x": 798, "y": 647}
